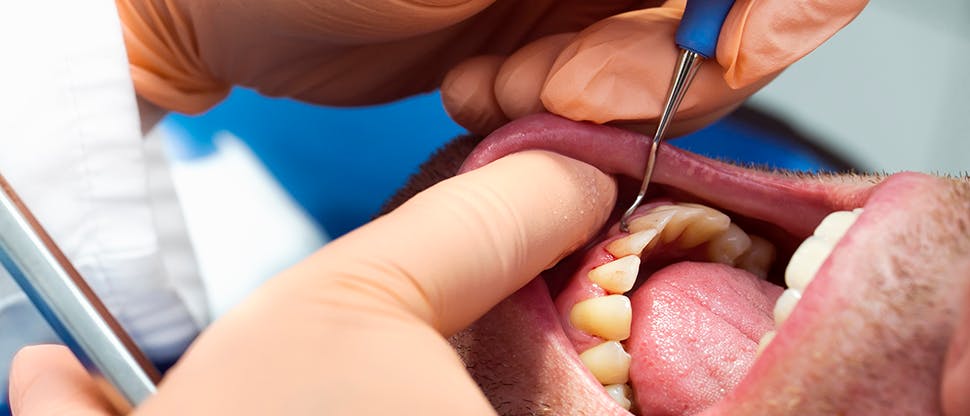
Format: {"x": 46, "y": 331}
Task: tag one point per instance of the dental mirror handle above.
{"x": 68, "y": 304}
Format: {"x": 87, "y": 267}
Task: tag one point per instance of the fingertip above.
{"x": 612, "y": 70}
{"x": 49, "y": 380}
{"x": 468, "y": 94}
{"x": 521, "y": 77}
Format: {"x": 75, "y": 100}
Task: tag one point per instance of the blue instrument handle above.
{"x": 701, "y": 25}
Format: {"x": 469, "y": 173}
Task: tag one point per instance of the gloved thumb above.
{"x": 762, "y": 37}
{"x": 48, "y": 380}
{"x": 454, "y": 251}
{"x": 358, "y": 328}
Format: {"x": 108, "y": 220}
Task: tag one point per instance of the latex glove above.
{"x": 585, "y": 60}
{"x": 359, "y": 328}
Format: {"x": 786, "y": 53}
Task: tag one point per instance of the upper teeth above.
{"x": 807, "y": 260}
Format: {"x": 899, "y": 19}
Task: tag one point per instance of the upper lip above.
{"x": 787, "y": 201}
{"x": 794, "y": 204}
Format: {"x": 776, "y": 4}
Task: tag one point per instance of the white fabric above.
{"x": 244, "y": 226}
{"x": 70, "y": 144}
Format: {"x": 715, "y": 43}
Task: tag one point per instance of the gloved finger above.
{"x": 619, "y": 70}
{"x": 363, "y": 21}
{"x": 956, "y": 369}
{"x": 455, "y": 250}
{"x": 762, "y": 37}
{"x": 468, "y": 97}
{"x": 519, "y": 81}
{"x": 48, "y": 380}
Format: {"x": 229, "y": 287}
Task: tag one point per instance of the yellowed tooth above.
{"x": 617, "y": 276}
{"x": 806, "y": 261}
{"x": 608, "y": 362}
{"x": 765, "y": 340}
{"x": 785, "y": 305}
{"x": 621, "y": 393}
{"x": 656, "y": 219}
{"x": 758, "y": 258}
{"x": 633, "y": 244}
{"x": 701, "y": 224}
{"x": 607, "y": 317}
{"x": 727, "y": 247}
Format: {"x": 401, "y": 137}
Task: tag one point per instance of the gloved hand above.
{"x": 586, "y": 60}
{"x": 315, "y": 339}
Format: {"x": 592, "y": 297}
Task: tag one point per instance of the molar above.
{"x": 617, "y": 276}
{"x": 608, "y": 362}
{"x": 608, "y": 317}
{"x": 728, "y": 246}
{"x": 758, "y": 258}
{"x": 701, "y": 224}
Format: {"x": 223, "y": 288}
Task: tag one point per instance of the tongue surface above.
{"x": 695, "y": 333}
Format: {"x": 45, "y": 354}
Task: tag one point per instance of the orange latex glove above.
{"x": 359, "y": 327}
{"x": 586, "y": 60}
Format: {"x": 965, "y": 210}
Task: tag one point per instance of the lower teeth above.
{"x": 682, "y": 226}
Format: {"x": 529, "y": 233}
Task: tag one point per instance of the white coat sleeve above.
{"x": 71, "y": 145}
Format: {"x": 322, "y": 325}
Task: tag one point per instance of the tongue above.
{"x": 695, "y": 334}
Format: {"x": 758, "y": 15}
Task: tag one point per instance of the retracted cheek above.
{"x": 467, "y": 93}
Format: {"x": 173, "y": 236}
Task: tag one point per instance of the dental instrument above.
{"x": 68, "y": 304}
{"x": 697, "y": 38}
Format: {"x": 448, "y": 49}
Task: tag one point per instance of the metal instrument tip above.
{"x": 687, "y": 67}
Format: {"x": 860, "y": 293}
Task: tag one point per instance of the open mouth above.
{"x": 735, "y": 292}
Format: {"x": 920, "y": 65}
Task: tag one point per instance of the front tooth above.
{"x": 834, "y": 225}
{"x": 701, "y": 225}
{"x": 806, "y": 261}
{"x": 765, "y": 340}
{"x": 758, "y": 258}
{"x": 785, "y": 305}
{"x": 729, "y": 245}
{"x": 617, "y": 276}
{"x": 608, "y": 362}
{"x": 621, "y": 393}
{"x": 607, "y": 317}
{"x": 633, "y": 244}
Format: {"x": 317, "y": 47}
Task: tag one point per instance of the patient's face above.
{"x": 735, "y": 292}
